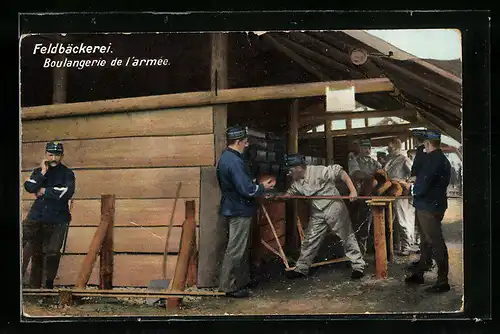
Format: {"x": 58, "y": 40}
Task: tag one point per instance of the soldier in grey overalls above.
{"x": 361, "y": 169}
{"x": 325, "y": 214}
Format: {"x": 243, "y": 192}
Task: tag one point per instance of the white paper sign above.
{"x": 340, "y": 99}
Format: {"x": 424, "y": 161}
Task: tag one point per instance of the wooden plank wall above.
{"x": 138, "y": 156}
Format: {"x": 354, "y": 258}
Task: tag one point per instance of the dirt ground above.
{"x": 328, "y": 290}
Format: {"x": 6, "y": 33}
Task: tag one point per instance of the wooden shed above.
{"x": 139, "y": 148}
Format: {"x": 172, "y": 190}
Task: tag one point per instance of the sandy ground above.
{"x": 328, "y": 290}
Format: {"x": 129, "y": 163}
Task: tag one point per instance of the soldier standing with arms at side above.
{"x": 237, "y": 207}
{"x": 430, "y": 201}
{"x": 361, "y": 169}
{"x": 399, "y": 168}
{"x": 45, "y": 227}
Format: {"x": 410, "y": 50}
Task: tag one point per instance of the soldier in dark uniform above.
{"x": 237, "y": 207}
{"x": 430, "y": 202}
{"x": 418, "y": 160}
{"x": 45, "y": 226}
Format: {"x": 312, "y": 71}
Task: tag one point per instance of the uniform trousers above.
{"x": 235, "y": 271}
{"x": 335, "y": 217}
{"x": 42, "y": 244}
{"x": 432, "y": 244}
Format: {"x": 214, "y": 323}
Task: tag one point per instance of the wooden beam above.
{"x": 441, "y": 125}
{"x": 223, "y": 96}
{"x": 320, "y": 59}
{"x": 185, "y": 253}
{"x": 363, "y": 131}
{"x": 402, "y": 113}
{"x": 293, "y": 124}
{"x": 292, "y": 241}
{"x": 106, "y": 263}
{"x": 95, "y": 247}
{"x": 218, "y": 81}
{"x": 384, "y": 47}
{"x": 303, "y": 62}
{"x": 329, "y": 142}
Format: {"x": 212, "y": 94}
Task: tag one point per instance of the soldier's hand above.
{"x": 44, "y": 165}
{"x": 268, "y": 184}
{"x": 269, "y": 197}
{"x": 353, "y": 196}
{"x": 40, "y": 192}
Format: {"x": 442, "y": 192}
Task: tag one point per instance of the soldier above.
{"x": 430, "y": 202}
{"x": 325, "y": 214}
{"x": 418, "y": 161}
{"x": 237, "y": 208}
{"x": 361, "y": 169}
{"x": 398, "y": 168}
{"x": 45, "y": 227}
{"x": 382, "y": 158}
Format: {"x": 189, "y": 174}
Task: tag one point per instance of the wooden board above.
{"x": 180, "y": 151}
{"x": 129, "y": 270}
{"x": 168, "y": 122}
{"x": 213, "y": 231}
{"x": 132, "y": 183}
{"x": 126, "y": 240}
{"x": 128, "y": 212}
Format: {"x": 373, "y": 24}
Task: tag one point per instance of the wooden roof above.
{"x": 273, "y": 58}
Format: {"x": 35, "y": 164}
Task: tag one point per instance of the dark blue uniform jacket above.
{"x": 418, "y": 160}
{"x": 432, "y": 182}
{"x": 53, "y": 206}
{"x": 238, "y": 190}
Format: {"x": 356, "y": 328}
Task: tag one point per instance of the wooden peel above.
{"x": 169, "y": 231}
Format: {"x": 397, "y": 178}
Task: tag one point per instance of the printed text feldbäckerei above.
{"x": 62, "y": 48}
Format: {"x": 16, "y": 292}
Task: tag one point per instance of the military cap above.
{"x": 432, "y": 135}
{"x": 381, "y": 154}
{"x": 418, "y": 133}
{"x": 54, "y": 147}
{"x": 365, "y": 142}
{"x": 236, "y": 132}
{"x": 292, "y": 160}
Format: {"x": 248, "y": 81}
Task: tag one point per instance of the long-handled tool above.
{"x": 163, "y": 284}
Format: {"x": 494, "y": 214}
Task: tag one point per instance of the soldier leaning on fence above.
{"x": 44, "y": 229}
{"x": 398, "y": 168}
{"x": 430, "y": 201}
{"x": 237, "y": 208}
{"x": 325, "y": 213}
{"x": 361, "y": 169}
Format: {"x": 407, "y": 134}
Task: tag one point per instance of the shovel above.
{"x": 163, "y": 284}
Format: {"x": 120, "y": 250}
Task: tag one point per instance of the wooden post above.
{"x": 192, "y": 276}
{"x": 106, "y": 262}
{"x": 185, "y": 251}
{"x": 292, "y": 242}
{"x": 218, "y": 81}
{"x": 95, "y": 246}
{"x": 329, "y": 142}
{"x": 59, "y": 76}
{"x": 391, "y": 229}
{"x": 378, "y": 210}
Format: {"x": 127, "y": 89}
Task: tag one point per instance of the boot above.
{"x": 241, "y": 293}
{"x": 438, "y": 288}
{"x": 294, "y": 274}
{"x": 415, "y": 279}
